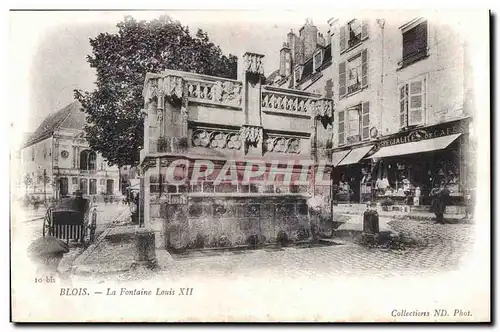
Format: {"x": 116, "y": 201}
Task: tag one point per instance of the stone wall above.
{"x": 228, "y": 221}
{"x": 210, "y": 119}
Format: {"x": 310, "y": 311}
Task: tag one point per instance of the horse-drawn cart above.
{"x": 72, "y": 219}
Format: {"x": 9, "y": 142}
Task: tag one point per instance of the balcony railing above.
{"x": 223, "y": 92}
{"x": 288, "y": 101}
{"x": 197, "y": 88}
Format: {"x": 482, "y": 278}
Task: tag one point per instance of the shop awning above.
{"x": 355, "y": 155}
{"x": 427, "y": 145}
{"x": 338, "y": 156}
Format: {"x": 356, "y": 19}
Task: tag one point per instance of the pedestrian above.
{"x": 469, "y": 204}
{"x": 440, "y": 195}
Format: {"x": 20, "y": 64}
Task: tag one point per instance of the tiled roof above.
{"x": 68, "y": 117}
{"x": 272, "y": 76}
{"x": 307, "y": 72}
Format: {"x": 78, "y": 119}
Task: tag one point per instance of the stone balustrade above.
{"x": 224, "y": 92}
{"x": 295, "y": 102}
{"x": 194, "y": 87}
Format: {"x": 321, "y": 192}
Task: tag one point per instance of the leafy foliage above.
{"x": 121, "y": 61}
{"x": 27, "y": 181}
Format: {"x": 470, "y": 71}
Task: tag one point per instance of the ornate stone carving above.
{"x": 277, "y": 101}
{"x": 159, "y": 116}
{"x": 283, "y": 144}
{"x": 216, "y": 139}
{"x": 324, "y": 108}
{"x": 169, "y": 86}
{"x": 172, "y": 86}
{"x": 252, "y": 63}
{"x": 281, "y": 102}
{"x": 251, "y": 134}
{"x": 224, "y": 92}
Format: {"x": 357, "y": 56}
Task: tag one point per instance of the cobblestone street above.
{"x": 443, "y": 249}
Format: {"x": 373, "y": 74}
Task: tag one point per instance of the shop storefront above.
{"x": 351, "y": 177}
{"x": 407, "y": 166}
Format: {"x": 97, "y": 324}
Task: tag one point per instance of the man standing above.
{"x": 440, "y": 195}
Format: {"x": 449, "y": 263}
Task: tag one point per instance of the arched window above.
{"x": 88, "y": 160}
{"x": 92, "y": 161}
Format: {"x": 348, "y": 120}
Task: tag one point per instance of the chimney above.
{"x": 309, "y": 35}
{"x": 285, "y": 60}
{"x": 293, "y": 43}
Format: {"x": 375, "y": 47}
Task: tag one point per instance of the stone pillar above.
{"x": 252, "y": 77}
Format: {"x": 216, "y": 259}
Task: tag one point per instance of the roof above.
{"x": 272, "y": 76}
{"x": 69, "y": 116}
{"x": 307, "y": 72}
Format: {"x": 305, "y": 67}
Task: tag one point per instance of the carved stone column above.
{"x": 184, "y": 112}
{"x": 252, "y": 139}
{"x": 252, "y": 77}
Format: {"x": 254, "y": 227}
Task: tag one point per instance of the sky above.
{"x": 47, "y": 58}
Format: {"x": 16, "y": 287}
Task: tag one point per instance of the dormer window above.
{"x": 317, "y": 60}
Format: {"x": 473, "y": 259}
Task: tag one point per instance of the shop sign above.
{"x": 426, "y": 133}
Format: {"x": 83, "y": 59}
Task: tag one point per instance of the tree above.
{"x": 27, "y": 181}
{"x": 121, "y": 60}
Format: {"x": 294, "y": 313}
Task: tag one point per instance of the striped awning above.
{"x": 355, "y": 155}
{"x": 426, "y": 145}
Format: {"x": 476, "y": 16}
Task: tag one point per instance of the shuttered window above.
{"x": 352, "y": 34}
{"x": 364, "y": 68}
{"x": 412, "y": 103}
{"x": 342, "y": 79}
{"x": 415, "y": 43}
{"x": 341, "y": 128}
{"x": 416, "y": 103}
{"x": 365, "y": 121}
{"x": 343, "y": 40}
{"x": 329, "y": 89}
{"x": 403, "y": 106}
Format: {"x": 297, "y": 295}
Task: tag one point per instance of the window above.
{"x": 84, "y": 186}
{"x": 412, "y": 103}
{"x": 341, "y": 128}
{"x": 414, "y": 42}
{"x": 353, "y": 74}
{"x": 352, "y": 34}
{"x": 87, "y": 160}
{"x": 354, "y": 124}
{"x": 329, "y": 89}
{"x": 63, "y": 186}
{"x": 93, "y": 186}
{"x": 365, "y": 121}
{"x": 317, "y": 60}
{"x": 109, "y": 187}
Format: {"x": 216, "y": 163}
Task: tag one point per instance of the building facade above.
{"x": 57, "y": 161}
{"x": 403, "y": 108}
